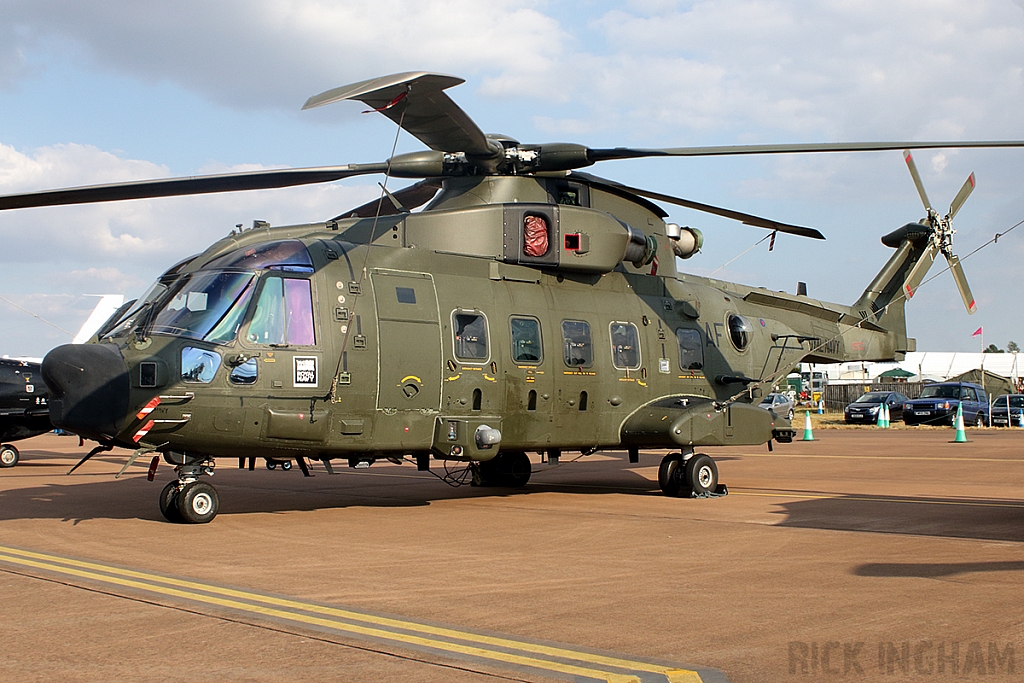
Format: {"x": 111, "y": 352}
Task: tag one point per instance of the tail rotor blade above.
{"x": 961, "y": 284}
{"x": 961, "y": 197}
{"x": 909, "y": 158}
{"x": 920, "y": 269}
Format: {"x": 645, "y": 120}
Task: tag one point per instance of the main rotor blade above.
{"x": 961, "y": 196}
{"x": 415, "y": 100}
{"x": 169, "y": 187}
{"x": 745, "y": 218}
{"x": 794, "y": 148}
{"x": 920, "y": 269}
{"x": 909, "y": 158}
{"x": 412, "y": 197}
{"x": 961, "y": 284}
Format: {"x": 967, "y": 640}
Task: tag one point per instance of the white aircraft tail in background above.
{"x": 104, "y": 309}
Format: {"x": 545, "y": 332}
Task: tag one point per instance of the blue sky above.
{"x": 101, "y": 92}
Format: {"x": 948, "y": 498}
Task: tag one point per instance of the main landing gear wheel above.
{"x": 510, "y": 469}
{"x": 8, "y": 455}
{"x": 198, "y": 503}
{"x": 169, "y": 503}
{"x": 702, "y": 474}
{"x": 285, "y": 464}
{"x": 696, "y": 476}
{"x": 670, "y": 475}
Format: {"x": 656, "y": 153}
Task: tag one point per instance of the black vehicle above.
{"x": 938, "y": 404}
{"x": 1007, "y": 403}
{"x": 865, "y": 409}
{"x": 24, "y": 406}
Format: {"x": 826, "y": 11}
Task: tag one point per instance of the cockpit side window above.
{"x": 284, "y": 313}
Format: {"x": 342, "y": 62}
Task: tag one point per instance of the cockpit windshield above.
{"x": 208, "y": 305}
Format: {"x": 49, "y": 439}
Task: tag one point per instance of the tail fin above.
{"x": 106, "y": 307}
{"x": 884, "y": 300}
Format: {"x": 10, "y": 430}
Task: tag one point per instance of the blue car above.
{"x": 938, "y": 403}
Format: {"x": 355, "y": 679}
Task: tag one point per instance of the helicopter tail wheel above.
{"x": 271, "y": 464}
{"x": 8, "y": 455}
{"x": 169, "y": 503}
{"x": 198, "y": 503}
{"x": 670, "y": 475}
{"x": 701, "y": 475}
{"x": 286, "y": 465}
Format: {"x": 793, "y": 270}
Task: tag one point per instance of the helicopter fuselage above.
{"x": 416, "y": 333}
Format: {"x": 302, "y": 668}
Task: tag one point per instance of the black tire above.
{"x": 979, "y": 421}
{"x": 790, "y": 414}
{"x": 9, "y": 455}
{"x": 670, "y": 475}
{"x": 286, "y": 465}
{"x": 515, "y": 469}
{"x": 198, "y": 503}
{"x": 169, "y": 503}
{"x": 510, "y": 469}
{"x": 701, "y": 474}
{"x": 271, "y": 464}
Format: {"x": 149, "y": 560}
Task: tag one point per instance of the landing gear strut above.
{"x": 8, "y": 455}
{"x": 686, "y": 475}
{"x": 189, "y": 500}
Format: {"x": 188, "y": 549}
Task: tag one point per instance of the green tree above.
{"x": 1012, "y": 347}
{"x": 992, "y": 348}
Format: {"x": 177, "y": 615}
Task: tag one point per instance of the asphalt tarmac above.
{"x": 865, "y": 555}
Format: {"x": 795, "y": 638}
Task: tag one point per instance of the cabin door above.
{"x": 409, "y": 361}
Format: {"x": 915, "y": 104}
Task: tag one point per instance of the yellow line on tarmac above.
{"x": 280, "y": 608}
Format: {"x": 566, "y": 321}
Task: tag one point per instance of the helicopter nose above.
{"x": 88, "y": 387}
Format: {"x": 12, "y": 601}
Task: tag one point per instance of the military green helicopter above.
{"x": 528, "y": 307}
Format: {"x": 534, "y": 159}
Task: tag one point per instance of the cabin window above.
{"x": 691, "y": 350}
{"x": 526, "y": 342}
{"x": 740, "y": 331}
{"x": 576, "y": 344}
{"x": 246, "y": 373}
{"x": 198, "y": 366}
{"x": 284, "y": 313}
{"x": 470, "y": 336}
{"x": 625, "y": 346}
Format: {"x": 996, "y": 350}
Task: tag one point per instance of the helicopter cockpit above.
{"x": 210, "y": 303}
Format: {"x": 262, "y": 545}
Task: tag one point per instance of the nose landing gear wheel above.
{"x": 8, "y": 455}
{"x": 198, "y": 503}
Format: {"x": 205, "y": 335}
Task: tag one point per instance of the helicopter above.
{"x": 505, "y": 303}
{"x": 24, "y": 410}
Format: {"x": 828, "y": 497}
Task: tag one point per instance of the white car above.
{"x": 780, "y": 404}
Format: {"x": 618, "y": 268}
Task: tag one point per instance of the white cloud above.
{"x": 277, "y": 52}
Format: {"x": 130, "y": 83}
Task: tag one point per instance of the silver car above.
{"x": 780, "y": 404}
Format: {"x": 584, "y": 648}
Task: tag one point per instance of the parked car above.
{"x": 781, "y": 404}
{"x": 938, "y": 403}
{"x": 865, "y": 409}
{"x": 1007, "y": 403}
